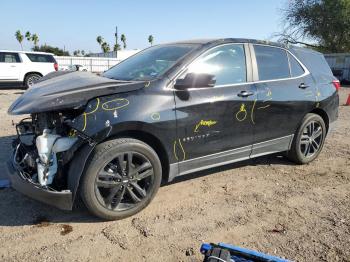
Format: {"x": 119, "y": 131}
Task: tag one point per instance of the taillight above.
{"x": 336, "y": 84}
{"x": 55, "y": 65}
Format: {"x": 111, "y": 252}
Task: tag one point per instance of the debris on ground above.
{"x": 66, "y": 229}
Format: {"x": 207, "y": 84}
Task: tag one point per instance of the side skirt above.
{"x": 231, "y": 156}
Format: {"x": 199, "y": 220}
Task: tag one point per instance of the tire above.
{"x": 31, "y": 79}
{"x": 305, "y": 142}
{"x": 113, "y": 191}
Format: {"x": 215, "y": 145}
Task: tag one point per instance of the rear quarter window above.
{"x": 315, "y": 63}
{"x": 41, "y": 58}
{"x": 295, "y": 68}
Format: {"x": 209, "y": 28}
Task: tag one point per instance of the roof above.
{"x": 227, "y": 40}
{"x": 26, "y": 52}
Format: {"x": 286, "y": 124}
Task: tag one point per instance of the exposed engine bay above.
{"x": 43, "y": 147}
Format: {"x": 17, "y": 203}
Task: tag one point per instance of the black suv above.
{"x": 169, "y": 110}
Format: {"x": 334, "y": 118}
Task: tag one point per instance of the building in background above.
{"x": 121, "y": 54}
{"x": 340, "y": 65}
{"x": 96, "y": 62}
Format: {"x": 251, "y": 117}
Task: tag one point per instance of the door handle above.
{"x": 13, "y": 66}
{"x": 245, "y": 93}
{"x": 303, "y": 86}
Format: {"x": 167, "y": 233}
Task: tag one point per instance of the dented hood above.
{"x": 64, "y": 91}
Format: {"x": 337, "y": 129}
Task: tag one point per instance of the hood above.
{"x": 68, "y": 91}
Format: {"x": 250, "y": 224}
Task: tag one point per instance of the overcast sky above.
{"x": 76, "y": 24}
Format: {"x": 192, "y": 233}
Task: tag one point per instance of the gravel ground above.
{"x": 267, "y": 204}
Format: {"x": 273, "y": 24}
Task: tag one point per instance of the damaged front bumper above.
{"x": 60, "y": 199}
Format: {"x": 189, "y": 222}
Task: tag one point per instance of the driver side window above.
{"x": 227, "y": 63}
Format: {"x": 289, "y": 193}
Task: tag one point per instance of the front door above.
{"x": 214, "y": 124}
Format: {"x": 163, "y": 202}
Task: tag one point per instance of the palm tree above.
{"x": 28, "y": 35}
{"x": 116, "y": 47}
{"x": 123, "y": 39}
{"x": 99, "y": 40}
{"x": 19, "y": 38}
{"x": 105, "y": 47}
{"x": 35, "y": 39}
{"x": 150, "y": 39}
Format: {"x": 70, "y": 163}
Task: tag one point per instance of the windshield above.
{"x": 150, "y": 63}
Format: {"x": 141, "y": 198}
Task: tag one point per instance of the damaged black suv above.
{"x": 167, "y": 111}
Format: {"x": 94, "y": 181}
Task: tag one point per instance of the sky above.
{"x": 75, "y": 24}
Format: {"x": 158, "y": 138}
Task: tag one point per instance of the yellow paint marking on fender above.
{"x": 119, "y": 103}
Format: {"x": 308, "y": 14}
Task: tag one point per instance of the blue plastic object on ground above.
{"x": 4, "y": 183}
{"x": 239, "y": 254}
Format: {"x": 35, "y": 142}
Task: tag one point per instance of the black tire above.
{"x": 104, "y": 168}
{"x": 301, "y": 144}
{"x": 30, "y": 79}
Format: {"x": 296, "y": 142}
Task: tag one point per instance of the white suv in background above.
{"x": 25, "y": 68}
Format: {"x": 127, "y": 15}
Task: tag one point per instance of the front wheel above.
{"x": 121, "y": 179}
{"x": 308, "y": 140}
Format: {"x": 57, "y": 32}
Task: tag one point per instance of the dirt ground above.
{"x": 268, "y": 204}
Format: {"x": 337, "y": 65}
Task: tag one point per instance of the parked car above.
{"x": 77, "y": 68}
{"x": 167, "y": 111}
{"x": 25, "y": 68}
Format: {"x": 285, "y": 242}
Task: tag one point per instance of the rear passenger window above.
{"x": 41, "y": 58}
{"x": 9, "y": 58}
{"x": 295, "y": 67}
{"x": 272, "y": 62}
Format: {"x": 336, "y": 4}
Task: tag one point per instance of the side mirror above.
{"x": 193, "y": 80}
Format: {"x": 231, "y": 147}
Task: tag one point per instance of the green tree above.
{"x": 105, "y": 47}
{"x": 99, "y": 40}
{"x": 102, "y": 43}
{"x": 35, "y": 39}
{"x": 116, "y": 47}
{"x": 321, "y": 24}
{"x": 51, "y": 49}
{"x": 28, "y": 36}
{"x": 82, "y": 52}
{"x": 19, "y": 38}
{"x": 123, "y": 39}
{"x": 150, "y": 39}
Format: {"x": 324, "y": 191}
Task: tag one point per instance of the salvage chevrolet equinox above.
{"x": 167, "y": 111}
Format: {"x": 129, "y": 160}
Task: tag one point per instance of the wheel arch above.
{"x": 77, "y": 164}
{"x": 151, "y": 140}
{"x": 322, "y": 113}
{"x": 32, "y": 72}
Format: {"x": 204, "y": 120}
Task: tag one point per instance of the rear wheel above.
{"x": 31, "y": 79}
{"x": 308, "y": 140}
{"x": 121, "y": 179}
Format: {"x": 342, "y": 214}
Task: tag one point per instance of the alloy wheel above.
{"x": 311, "y": 139}
{"x": 124, "y": 182}
{"x": 32, "y": 80}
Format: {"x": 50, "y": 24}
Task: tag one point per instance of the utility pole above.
{"x": 116, "y": 41}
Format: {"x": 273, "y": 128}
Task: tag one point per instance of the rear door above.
{"x": 214, "y": 124}
{"x": 10, "y": 66}
{"x": 285, "y": 93}
{"x": 43, "y": 63}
